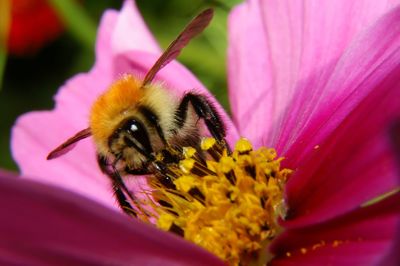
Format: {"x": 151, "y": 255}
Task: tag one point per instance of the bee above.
{"x": 136, "y": 119}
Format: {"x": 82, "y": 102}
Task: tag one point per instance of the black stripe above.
{"x": 153, "y": 120}
{"x": 118, "y": 186}
{"x": 140, "y": 134}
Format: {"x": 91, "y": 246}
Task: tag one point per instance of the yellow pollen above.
{"x": 189, "y": 152}
{"x": 208, "y": 143}
{"x": 226, "y": 202}
{"x": 243, "y": 145}
{"x": 186, "y": 165}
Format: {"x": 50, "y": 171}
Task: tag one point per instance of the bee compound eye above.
{"x": 138, "y": 132}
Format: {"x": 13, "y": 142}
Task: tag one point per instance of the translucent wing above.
{"x": 69, "y": 144}
{"x": 196, "y": 26}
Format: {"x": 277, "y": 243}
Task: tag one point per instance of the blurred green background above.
{"x": 29, "y": 82}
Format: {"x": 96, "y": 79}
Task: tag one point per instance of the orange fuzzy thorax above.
{"x": 112, "y": 107}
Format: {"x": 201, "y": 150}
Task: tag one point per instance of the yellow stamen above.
{"x": 227, "y": 203}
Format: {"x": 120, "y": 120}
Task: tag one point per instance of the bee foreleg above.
{"x": 137, "y": 171}
{"x": 118, "y": 186}
{"x": 123, "y": 202}
{"x": 205, "y": 110}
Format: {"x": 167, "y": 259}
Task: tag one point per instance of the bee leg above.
{"x": 205, "y": 110}
{"x": 160, "y": 171}
{"x": 123, "y": 202}
{"x": 137, "y": 171}
{"x": 118, "y": 186}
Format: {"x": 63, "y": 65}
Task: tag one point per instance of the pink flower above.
{"x": 46, "y": 225}
{"x": 317, "y": 81}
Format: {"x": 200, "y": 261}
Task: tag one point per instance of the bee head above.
{"x": 117, "y": 104}
{"x": 131, "y": 141}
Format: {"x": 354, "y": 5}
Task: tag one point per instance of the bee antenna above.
{"x": 194, "y": 28}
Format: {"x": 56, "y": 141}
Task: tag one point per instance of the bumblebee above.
{"x": 135, "y": 119}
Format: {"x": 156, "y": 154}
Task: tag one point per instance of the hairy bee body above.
{"x": 135, "y": 120}
{"x": 125, "y": 101}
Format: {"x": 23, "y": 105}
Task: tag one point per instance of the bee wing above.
{"x": 196, "y": 26}
{"x": 69, "y": 144}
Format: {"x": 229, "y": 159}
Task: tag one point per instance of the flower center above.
{"x": 225, "y": 202}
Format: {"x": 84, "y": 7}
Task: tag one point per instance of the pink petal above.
{"x": 363, "y": 237}
{"x": 274, "y": 47}
{"x": 131, "y": 32}
{"x": 348, "y": 254}
{"x": 120, "y": 32}
{"x": 46, "y": 225}
{"x": 35, "y": 134}
{"x": 343, "y": 156}
{"x": 103, "y": 44}
{"x": 343, "y": 61}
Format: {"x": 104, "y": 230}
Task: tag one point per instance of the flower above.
{"x": 316, "y": 81}
{"x": 49, "y": 233}
{"x": 33, "y": 24}
{"x": 325, "y": 88}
